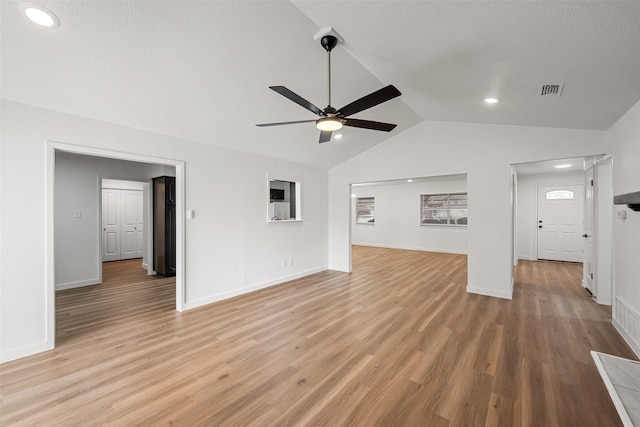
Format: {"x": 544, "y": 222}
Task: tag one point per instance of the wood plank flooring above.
{"x": 398, "y": 342}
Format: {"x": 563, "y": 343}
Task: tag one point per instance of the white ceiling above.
{"x": 201, "y": 70}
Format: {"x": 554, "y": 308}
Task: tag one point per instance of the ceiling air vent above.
{"x": 550, "y": 90}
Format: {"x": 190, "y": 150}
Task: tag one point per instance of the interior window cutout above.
{"x": 443, "y": 209}
{"x": 365, "y": 208}
{"x": 559, "y": 194}
{"x": 284, "y": 200}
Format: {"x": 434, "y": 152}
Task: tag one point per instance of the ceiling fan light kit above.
{"x": 329, "y": 124}
{"x": 331, "y": 119}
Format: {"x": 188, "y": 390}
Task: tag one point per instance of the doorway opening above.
{"x": 422, "y": 213}
{"x": 554, "y": 212}
{"x": 91, "y": 213}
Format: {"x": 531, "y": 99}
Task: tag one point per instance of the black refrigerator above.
{"x": 164, "y": 225}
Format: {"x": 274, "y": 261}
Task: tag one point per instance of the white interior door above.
{"x": 560, "y": 214}
{"x": 122, "y": 224}
{"x": 110, "y": 225}
{"x": 587, "y": 270}
{"x": 129, "y": 220}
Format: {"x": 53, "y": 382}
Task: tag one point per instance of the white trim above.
{"x": 28, "y": 350}
{"x": 50, "y": 282}
{"x": 489, "y": 292}
{"x": 622, "y": 412}
{"x": 180, "y": 236}
{"x": 99, "y": 255}
{"x": 527, "y": 258}
{"x": 411, "y": 248}
{"x": 78, "y": 284}
{"x": 251, "y": 288}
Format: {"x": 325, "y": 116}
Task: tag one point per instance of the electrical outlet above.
{"x": 284, "y": 263}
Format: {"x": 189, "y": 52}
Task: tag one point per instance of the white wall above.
{"x": 484, "y": 153}
{"x": 230, "y": 248}
{"x": 397, "y": 208}
{"x": 625, "y": 141}
{"x": 77, "y": 187}
{"x": 526, "y": 207}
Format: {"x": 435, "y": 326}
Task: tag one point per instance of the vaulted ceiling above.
{"x": 201, "y": 70}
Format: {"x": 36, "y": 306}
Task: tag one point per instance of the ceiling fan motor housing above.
{"x": 328, "y": 42}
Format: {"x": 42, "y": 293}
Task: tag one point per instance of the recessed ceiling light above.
{"x": 409, "y": 180}
{"x": 337, "y": 136}
{"x": 563, "y": 166}
{"x": 39, "y": 15}
{"x": 491, "y": 100}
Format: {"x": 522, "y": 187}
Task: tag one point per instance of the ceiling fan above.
{"x": 331, "y": 119}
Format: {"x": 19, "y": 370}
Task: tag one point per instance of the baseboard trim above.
{"x": 489, "y": 292}
{"x": 226, "y": 295}
{"x": 28, "y": 350}
{"x": 626, "y": 337}
{"x": 413, "y": 248}
{"x": 526, "y": 258}
{"x": 627, "y": 323}
{"x": 340, "y": 268}
{"x": 78, "y": 284}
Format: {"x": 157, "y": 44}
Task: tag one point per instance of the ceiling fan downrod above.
{"x": 328, "y": 42}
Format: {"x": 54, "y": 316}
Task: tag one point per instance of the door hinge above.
{"x": 591, "y": 276}
{"x": 592, "y": 183}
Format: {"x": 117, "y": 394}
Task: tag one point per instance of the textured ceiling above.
{"x": 201, "y": 70}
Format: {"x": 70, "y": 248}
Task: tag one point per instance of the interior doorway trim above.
{"x": 52, "y": 147}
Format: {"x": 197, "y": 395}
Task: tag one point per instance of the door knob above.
{"x": 539, "y": 226}
{"x": 585, "y": 236}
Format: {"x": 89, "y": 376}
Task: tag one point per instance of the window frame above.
{"x": 371, "y": 211}
{"x": 446, "y": 207}
{"x": 549, "y": 195}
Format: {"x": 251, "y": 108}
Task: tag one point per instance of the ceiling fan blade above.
{"x": 284, "y": 123}
{"x": 368, "y": 124}
{"x": 325, "y": 136}
{"x": 368, "y": 101}
{"x": 297, "y": 99}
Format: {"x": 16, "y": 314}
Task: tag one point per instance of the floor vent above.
{"x": 551, "y": 90}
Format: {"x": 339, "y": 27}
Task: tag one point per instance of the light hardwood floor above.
{"x": 398, "y": 342}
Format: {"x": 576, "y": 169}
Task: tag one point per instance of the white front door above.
{"x": 560, "y": 212}
{"x": 587, "y": 270}
{"x": 110, "y": 225}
